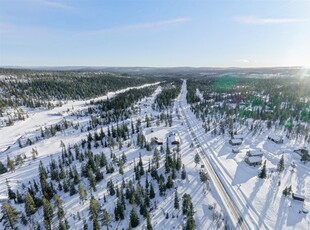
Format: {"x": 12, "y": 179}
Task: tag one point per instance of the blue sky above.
{"x": 165, "y": 33}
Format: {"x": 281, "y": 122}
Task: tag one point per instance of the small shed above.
{"x": 174, "y": 138}
{"x": 254, "y": 153}
{"x": 158, "y": 141}
{"x": 235, "y": 150}
{"x": 239, "y": 136}
{"x": 235, "y": 141}
{"x": 275, "y": 138}
{"x": 298, "y": 197}
{"x": 254, "y": 160}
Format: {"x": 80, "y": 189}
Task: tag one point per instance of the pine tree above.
{"x": 120, "y": 169}
{"x": 134, "y": 218}
{"x": 60, "y": 210}
{"x": 30, "y": 207}
{"x": 110, "y": 186}
{"x": 169, "y": 182}
{"x": 23, "y": 219}
{"x": 3, "y": 169}
{"x": 20, "y": 199}
{"x": 62, "y": 226}
{"x": 176, "y": 200}
{"x": 34, "y": 153}
{"x": 187, "y": 200}
{"x": 103, "y": 160}
{"x": 11, "y": 194}
{"x": 9, "y": 217}
{"x": 280, "y": 166}
{"x": 197, "y": 159}
{"x": 119, "y": 210}
{"x": 305, "y": 157}
{"x": 47, "y": 190}
{"x": 65, "y": 186}
{"x": 148, "y": 222}
{"x": 152, "y": 192}
{"x": 183, "y": 173}
{"x": 178, "y": 164}
{"x": 72, "y": 189}
{"x": 76, "y": 176}
{"x": 85, "y": 225}
{"x": 82, "y": 192}
{"x": 162, "y": 187}
{"x": 287, "y": 191}
{"x": 204, "y": 177}
{"x": 92, "y": 180}
{"x": 96, "y": 224}
{"x": 10, "y": 165}
{"x": 94, "y": 208}
{"x": 173, "y": 174}
{"x": 143, "y": 209}
{"x": 263, "y": 173}
{"x": 48, "y": 214}
{"x": 190, "y": 223}
{"x": 106, "y": 219}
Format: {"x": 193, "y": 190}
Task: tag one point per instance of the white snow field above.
{"x": 39, "y": 118}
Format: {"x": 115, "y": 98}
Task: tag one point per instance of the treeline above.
{"x": 169, "y": 92}
{"x": 120, "y": 107}
{"x": 277, "y": 102}
{"x": 258, "y": 98}
{"x": 37, "y": 88}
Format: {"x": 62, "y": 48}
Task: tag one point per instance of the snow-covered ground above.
{"x": 39, "y": 118}
{"x": 260, "y": 201}
{"x": 207, "y": 203}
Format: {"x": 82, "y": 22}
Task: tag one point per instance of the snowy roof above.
{"x": 238, "y": 136}
{"x": 158, "y": 139}
{"x": 173, "y": 134}
{"x": 175, "y": 138}
{"x": 235, "y": 149}
{"x": 235, "y": 141}
{"x": 254, "y": 159}
{"x": 275, "y": 137}
{"x": 254, "y": 152}
{"x": 299, "y": 196}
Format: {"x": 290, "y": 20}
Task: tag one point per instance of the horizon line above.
{"x": 155, "y": 67}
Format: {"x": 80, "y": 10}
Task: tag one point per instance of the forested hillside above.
{"x": 38, "y": 88}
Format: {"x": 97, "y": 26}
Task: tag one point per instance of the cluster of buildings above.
{"x": 253, "y": 157}
{"x": 173, "y": 139}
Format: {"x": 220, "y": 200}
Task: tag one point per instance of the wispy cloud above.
{"x": 261, "y": 21}
{"x": 55, "y": 4}
{"x": 139, "y": 26}
{"x": 158, "y": 23}
{"x": 243, "y": 60}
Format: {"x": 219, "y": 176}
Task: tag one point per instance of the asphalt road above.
{"x": 232, "y": 210}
